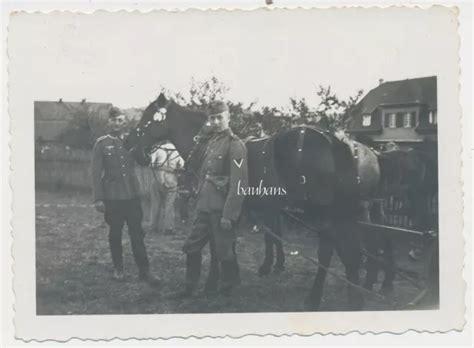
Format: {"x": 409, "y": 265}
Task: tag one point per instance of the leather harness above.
{"x": 303, "y": 130}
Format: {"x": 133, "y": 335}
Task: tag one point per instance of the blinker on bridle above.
{"x": 159, "y": 116}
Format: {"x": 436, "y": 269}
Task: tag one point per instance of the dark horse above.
{"x": 411, "y": 177}
{"x": 319, "y": 173}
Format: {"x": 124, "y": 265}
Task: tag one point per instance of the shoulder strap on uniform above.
{"x": 102, "y": 138}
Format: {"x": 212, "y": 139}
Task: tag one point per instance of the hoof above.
{"x": 118, "y": 275}
{"x": 264, "y": 270}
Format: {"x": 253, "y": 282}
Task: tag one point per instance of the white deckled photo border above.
{"x": 454, "y": 304}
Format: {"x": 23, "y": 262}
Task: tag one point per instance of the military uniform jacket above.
{"x": 113, "y": 170}
{"x": 223, "y": 171}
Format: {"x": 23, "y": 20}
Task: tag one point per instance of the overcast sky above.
{"x": 266, "y": 56}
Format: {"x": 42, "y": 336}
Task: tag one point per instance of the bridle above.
{"x": 159, "y": 116}
{"x": 169, "y": 152}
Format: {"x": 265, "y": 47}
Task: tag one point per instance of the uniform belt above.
{"x": 214, "y": 177}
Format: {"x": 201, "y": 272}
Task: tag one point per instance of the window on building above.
{"x": 366, "y": 120}
{"x": 408, "y": 120}
{"x": 400, "y": 118}
{"x": 392, "y": 120}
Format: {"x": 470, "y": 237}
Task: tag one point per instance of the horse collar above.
{"x": 299, "y": 154}
{"x": 356, "y": 160}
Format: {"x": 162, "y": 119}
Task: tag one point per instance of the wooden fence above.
{"x": 397, "y": 212}
{"x": 58, "y": 167}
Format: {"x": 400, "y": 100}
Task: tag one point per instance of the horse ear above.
{"x": 162, "y": 100}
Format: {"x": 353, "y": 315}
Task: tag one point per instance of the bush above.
{"x": 87, "y": 125}
{"x": 331, "y": 113}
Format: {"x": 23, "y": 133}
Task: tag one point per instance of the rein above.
{"x": 168, "y": 158}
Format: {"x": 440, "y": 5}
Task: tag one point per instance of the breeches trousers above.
{"x": 222, "y": 246}
{"x": 117, "y": 213}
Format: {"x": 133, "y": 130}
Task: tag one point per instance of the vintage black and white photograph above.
{"x": 237, "y": 162}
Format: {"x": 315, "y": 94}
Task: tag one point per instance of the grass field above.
{"x": 74, "y": 271}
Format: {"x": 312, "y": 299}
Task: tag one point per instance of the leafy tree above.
{"x": 86, "y": 126}
{"x": 331, "y": 113}
{"x": 78, "y": 133}
{"x": 202, "y": 93}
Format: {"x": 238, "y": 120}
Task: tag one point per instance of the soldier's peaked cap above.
{"x": 114, "y": 112}
{"x": 217, "y": 107}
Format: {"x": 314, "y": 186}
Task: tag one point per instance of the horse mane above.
{"x": 196, "y": 116}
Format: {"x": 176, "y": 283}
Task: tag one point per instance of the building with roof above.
{"x": 52, "y": 118}
{"x": 404, "y": 112}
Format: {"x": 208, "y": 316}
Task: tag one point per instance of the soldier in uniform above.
{"x": 218, "y": 207}
{"x": 116, "y": 194}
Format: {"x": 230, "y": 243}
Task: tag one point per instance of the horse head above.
{"x": 152, "y": 128}
{"x": 164, "y": 120}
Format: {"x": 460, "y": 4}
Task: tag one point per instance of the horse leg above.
{"x": 373, "y": 242}
{"x": 214, "y": 270}
{"x": 280, "y": 254}
{"x": 325, "y": 251}
{"x": 268, "y": 260}
{"x": 352, "y": 265}
{"x": 349, "y": 251}
{"x": 389, "y": 262}
{"x": 269, "y": 240}
{"x": 356, "y": 300}
{"x": 372, "y": 266}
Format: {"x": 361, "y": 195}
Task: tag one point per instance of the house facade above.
{"x": 53, "y": 117}
{"x": 404, "y": 112}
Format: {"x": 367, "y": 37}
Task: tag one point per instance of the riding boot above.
{"x": 213, "y": 277}
{"x": 193, "y": 272}
{"x": 235, "y": 272}
{"x": 265, "y": 268}
{"x": 227, "y": 277}
{"x": 235, "y": 268}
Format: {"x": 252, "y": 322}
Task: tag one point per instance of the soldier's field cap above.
{"x": 217, "y": 107}
{"x": 114, "y": 112}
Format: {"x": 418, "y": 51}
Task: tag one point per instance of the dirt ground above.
{"x": 74, "y": 271}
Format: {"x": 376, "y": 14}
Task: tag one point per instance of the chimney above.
{"x": 380, "y": 81}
